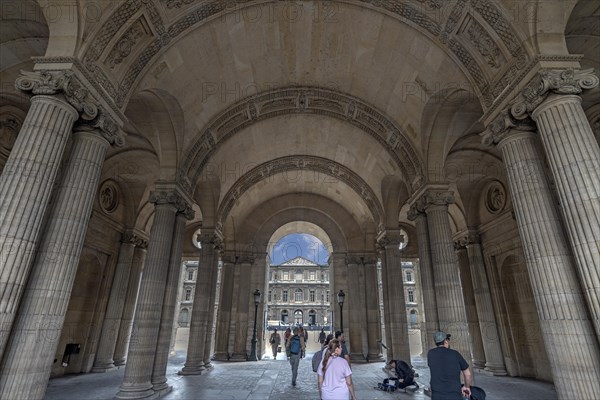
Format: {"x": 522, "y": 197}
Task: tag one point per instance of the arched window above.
{"x": 413, "y": 317}
{"x": 184, "y": 317}
{"x": 298, "y": 295}
{"x": 298, "y": 317}
{"x": 284, "y": 316}
{"x": 312, "y": 317}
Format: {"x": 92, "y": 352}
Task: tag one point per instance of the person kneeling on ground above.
{"x": 404, "y": 373}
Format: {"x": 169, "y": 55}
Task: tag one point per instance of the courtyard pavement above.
{"x": 271, "y": 379}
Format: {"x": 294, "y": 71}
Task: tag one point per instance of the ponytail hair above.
{"x": 333, "y": 345}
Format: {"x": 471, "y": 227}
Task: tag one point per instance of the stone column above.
{"x": 387, "y": 340}
{"x": 478, "y": 356}
{"x": 116, "y": 302}
{"x": 159, "y": 373}
{"x": 201, "y": 318}
{"x": 28, "y": 358}
{"x": 569, "y": 336}
{"x": 224, "y": 315}
{"x": 244, "y": 295}
{"x": 353, "y": 315}
{"x": 133, "y": 287}
{"x": 339, "y": 282}
{"x": 494, "y": 358}
{"x": 427, "y": 276}
{"x": 372, "y": 304}
{"x": 140, "y": 359}
{"x": 26, "y": 184}
{"x": 452, "y": 317}
{"x": 398, "y": 326}
{"x": 215, "y": 293}
{"x": 574, "y": 159}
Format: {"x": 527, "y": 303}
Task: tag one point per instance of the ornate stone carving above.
{"x": 566, "y": 81}
{"x": 160, "y": 197}
{"x": 482, "y": 41}
{"x": 123, "y": 47}
{"x": 318, "y": 101}
{"x": 413, "y": 213}
{"x": 132, "y": 238}
{"x": 291, "y": 163}
{"x": 176, "y": 3}
{"x": 396, "y": 239}
{"x": 59, "y": 82}
{"x": 10, "y": 125}
{"x": 108, "y": 196}
{"x": 434, "y": 197}
{"x": 106, "y": 126}
{"x": 503, "y": 125}
{"x": 495, "y": 198}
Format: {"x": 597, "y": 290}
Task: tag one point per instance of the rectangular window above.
{"x": 312, "y": 295}
{"x": 269, "y": 295}
{"x": 408, "y": 276}
{"x": 191, "y": 275}
{"x": 298, "y": 295}
{"x": 286, "y": 276}
{"x": 313, "y": 276}
{"x": 188, "y": 294}
{"x": 411, "y": 296}
{"x": 285, "y": 296}
{"x": 327, "y": 296}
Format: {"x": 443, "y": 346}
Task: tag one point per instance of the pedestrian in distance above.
{"x": 339, "y": 336}
{"x": 335, "y": 375}
{"x": 275, "y": 341}
{"x": 294, "y": 350}
{"x": 322, "y": 336}
{"x": 446, "y": 365}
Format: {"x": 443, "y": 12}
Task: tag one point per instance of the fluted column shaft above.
{"x": 133, "y": 287}
{"x": 244, "y": 296}
{"x": 574, "y": 159}
{"x": 203, "y": 304}
{"x": 494, "y": 358}
{"x": 140, "y": 358}
{"x": 27, "y": 361}
{"x": 385, "y": 288}
{"x": 213, "y": 296}
{"x": 25, "y": 187}
{"x": 478, "y": 354}
{"x": 399, "y": 345}
{"x": 224, "y": 314}
{"x": 159, "y": 373}
{"x": 427, "y": 276}
{"x": 114, "y": 311}
{"x": 372, "y": 304}
{"x": 448, "y": 292}
{"x": 569, "y": 337}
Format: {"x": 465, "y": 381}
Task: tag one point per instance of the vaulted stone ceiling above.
{"x": 387, "y": 89}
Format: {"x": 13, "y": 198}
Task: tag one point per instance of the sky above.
{"x": 299, "y": 244}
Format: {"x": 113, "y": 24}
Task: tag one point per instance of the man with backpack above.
{"x": 294, "y": 349}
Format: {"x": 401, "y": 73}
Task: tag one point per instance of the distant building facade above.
{"x": 299, "y": 293}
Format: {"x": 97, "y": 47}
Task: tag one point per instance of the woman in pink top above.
{"x": 335, "y": 375}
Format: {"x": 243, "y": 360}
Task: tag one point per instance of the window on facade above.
{"x": 184, "y": 317}
{"x": 285, "y": 296}
{"x": 322, "y": 296}
{"x": 299, "y": 275}
{"x": 269, "y": 295}
{"x": 191, "y": 275}
{"x": 298, "y": 295}
{"x": 275, "y": 276}
{"x": 411, "y": 296}
{"x": 313, "y": 276}
{"x": 188, "y": 294}
{"x": 286, "y": 276}
{"x": 312, "y": 295}
{"x": 408, "y": 276}
{"x": 327, "y": 296}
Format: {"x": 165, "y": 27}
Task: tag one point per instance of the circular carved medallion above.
{"x": 495, "y": 198}
{"x": 108, "y": 196}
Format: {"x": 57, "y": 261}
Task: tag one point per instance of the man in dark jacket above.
{"x": 404, "y": 373}
{"x": 445, "y": 366}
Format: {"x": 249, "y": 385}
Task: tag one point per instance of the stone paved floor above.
{"x": 271, "y": 379}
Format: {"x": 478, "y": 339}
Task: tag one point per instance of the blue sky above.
{"x": 299, "y": 244}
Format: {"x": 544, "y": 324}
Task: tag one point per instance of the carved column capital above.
{"x": 434, "y": 197}
{"x": 547, "y": 81}
{"x": 391, "y": 238}
{"x": 414, "y": 213}
{"x": 503, "y": 125}
{"x": 354, "y": 259}
{"x": 210, "y": 239}
{"x": 467, "y": 239}
{"x": 130, "y": 237}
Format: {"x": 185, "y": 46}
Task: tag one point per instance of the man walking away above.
{"x": 445, "y": 366}
{"x": 322, "y": 336}
{"x": 294, "y": 350}
{"x": 275, "y": 341}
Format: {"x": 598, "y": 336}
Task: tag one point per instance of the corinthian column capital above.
{"x": 434, "y": 197}
{"x": 547, "y": 81}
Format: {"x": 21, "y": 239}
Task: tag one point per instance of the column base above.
{"x": 192, "y": 370}
{"x": 137, "y": 392}
{"x": 162, "y": 389}
{"x": 357, "y": 358}
{"x": 478, "y": 364}
{"x": 208, "y": 365}
{"x": 118, "y": 363}
{"x": 239, "y": 357}
{"x": 375, "y": 358}
{"x": 496, "y": 370}
{"x": 103, "y": 367}
{"x": 221, "y": 357}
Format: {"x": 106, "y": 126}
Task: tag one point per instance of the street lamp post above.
{"x": 341, "y": 296}
{"x": 253, "y": 356}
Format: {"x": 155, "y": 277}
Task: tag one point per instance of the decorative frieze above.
{"x": 124, "y": 46}
{"x": 481, "y": 40}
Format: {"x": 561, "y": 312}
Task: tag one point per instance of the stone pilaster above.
{"x": 355, "y": 321}
{"x": 452, "y": 317}
{"x": 478, "y": 355}
{"x": 396, "y": 302}
{"x": 244, "y": 326}
{"x": 427, "y": 276}
{"x": 159, "y": 373}
{"x": 387, "y": 340}
{"x": 372, "y": 305}
{"x": 27, "y": 360}
{"x": 494, "y": 358}
{"x": 225, "y": 303}
{"x": 116, "y": 302}
{"x": 214, "y": 277}
{"x": 133, "y": 287}
{"x": 201, "y": 318}
{"x": 574, "y": 159}
{"x": 140, "y": 359}
{"x": 568, "y": 333}
{"x": 339, "y": 282}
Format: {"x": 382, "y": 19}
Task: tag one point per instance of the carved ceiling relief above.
{"x": 123, "y": 47}
{"x": 476, "y": 35}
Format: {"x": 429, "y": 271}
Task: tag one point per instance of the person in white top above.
{"x": 335, "y": 375}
